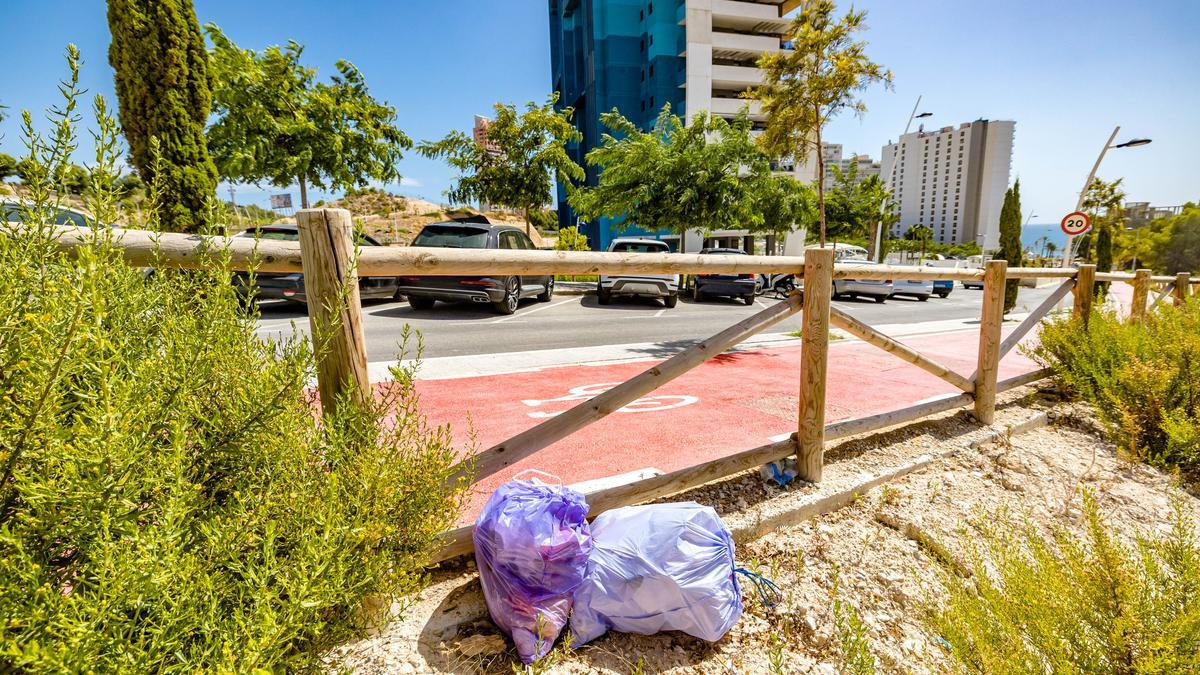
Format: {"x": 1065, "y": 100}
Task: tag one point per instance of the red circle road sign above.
{"x": 1076, "y": 223}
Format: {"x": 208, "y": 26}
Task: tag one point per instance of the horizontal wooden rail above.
{"x": 458, "y": 542}
{"x": 152, "y": 249}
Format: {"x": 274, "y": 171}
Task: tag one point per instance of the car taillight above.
{"x": 745, "y": 276}
{"x": 478, "y": 282}
{"x": 887, "y": 281}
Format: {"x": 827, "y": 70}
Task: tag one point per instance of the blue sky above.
{"x": 1066, "y": 70}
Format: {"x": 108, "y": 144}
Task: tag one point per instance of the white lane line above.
{"x": 660, "y": 312}
{"x": 531, "y": 311}
{"x": 760, "y": 303}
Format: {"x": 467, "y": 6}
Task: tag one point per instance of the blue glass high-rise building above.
{"x": 614, "y": 54}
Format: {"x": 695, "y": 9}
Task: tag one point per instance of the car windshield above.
{"x": 723, "y": 252}
{"x": 280, "y": 234}
{"x": 14, "y": 213}
{"x": 640, "y": 247}
{"x": 452, "y": 236}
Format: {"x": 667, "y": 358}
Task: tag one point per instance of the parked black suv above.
{"x": 502, "y": 293}
{"x": 742, "y": 286}
{"x": 290, "y": 286}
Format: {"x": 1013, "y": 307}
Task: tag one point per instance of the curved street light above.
{"x": 1069, "y": 249}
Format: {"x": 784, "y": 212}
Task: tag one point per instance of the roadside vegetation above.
{"x": 1086, "y": 603}
{"x": 169, "y": 501}
{"x": 1143, "y": 379}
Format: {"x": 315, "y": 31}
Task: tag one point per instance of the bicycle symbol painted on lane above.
{"x": 582, "y": 393}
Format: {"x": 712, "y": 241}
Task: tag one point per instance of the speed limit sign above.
{"x": 1075, "y": 224}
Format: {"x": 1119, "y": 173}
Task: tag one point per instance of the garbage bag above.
{"x": 655, "y": 568}
{"x": 531, "y": 545}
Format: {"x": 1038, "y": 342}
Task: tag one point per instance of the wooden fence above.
{"x": 326, "y": 253}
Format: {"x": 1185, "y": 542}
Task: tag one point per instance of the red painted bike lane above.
{"x": 733, "y": 402}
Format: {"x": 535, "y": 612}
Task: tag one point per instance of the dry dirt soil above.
{"x": 886, "y": 550}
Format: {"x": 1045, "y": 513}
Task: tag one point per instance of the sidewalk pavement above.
{"x": 736, "y": 401}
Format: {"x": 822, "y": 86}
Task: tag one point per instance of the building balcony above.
{"x": 736, "y": 77}
{"x": 728, "y": 107}
{"x": 748, "y": 16}
{"x": 739, "y": 46}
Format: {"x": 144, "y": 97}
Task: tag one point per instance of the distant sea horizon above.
{"x": 1031, "y": 235}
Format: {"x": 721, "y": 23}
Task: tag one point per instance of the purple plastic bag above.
{"x": 532, "y": 543}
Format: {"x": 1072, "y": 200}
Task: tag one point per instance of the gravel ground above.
{"x": 884, "y": 549}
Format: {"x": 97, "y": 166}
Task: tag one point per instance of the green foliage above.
{"x": 852, "y": 207}
{"x": 8, "y": 166}
{"x": 810, "y": 84}
{"x": 276, "y": 124}
{"x": 1143, "y": 379}
{"x": 852, "y": 634}
{"x": 1104, "y": 256}
{"x": 675, "y": 177}
{"x": 544, "y": 220}
{"x": 1010, "y": 240}
{"x": 524, "y": 152}
{"x": 1168, "y": 245}
{"x": 784, "y": 204}
{"x": 169, "y": 502}
{"x": 1071, "y": 604}
{"x": 571, "y": 239}
{"x": 164, "y": 90}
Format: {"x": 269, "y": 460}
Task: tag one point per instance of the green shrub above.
{"x": 1144, "y": 379}
{"x": 571, "y": 239}
{"x": 169, "y": 498}
{"x": 1068, "y": 604}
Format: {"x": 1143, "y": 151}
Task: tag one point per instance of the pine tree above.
{"x": 1010, "y": 240}
{"x": 165, "y": 95}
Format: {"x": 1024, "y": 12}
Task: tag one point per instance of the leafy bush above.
{"x": 571, "y": 239}
{"x": 1068, "y": 604}
{"x": 1144, "y": 379}
{"x": 169, "y": 500}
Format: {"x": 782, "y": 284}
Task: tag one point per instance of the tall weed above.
{"x": 169, "y": 500}
{"x": 1074, "y": 604}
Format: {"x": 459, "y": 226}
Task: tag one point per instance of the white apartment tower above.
{"x": 952, "y": 180}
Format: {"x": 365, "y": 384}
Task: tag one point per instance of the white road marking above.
{"x": 780, "y": 438}
{"x": 531, "y": 311}
{"x": 760, "y": 303}
{"x": 660, "y": 312}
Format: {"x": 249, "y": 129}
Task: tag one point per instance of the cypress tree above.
{"x": 1104, "y": 257}
{"x": 1010, "y": 240}
{"x": 165, "y": 95}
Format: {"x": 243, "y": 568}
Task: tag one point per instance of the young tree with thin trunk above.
{"x": 675, "y": 177}
{"x": 518, "y": 161}
{"x": 164, "y": 92}
{"x": 810, "y": 83}
{"x": 276, "y": 123}
{"x": 1010, "y": 240}
{"x": 1104, "y": 201}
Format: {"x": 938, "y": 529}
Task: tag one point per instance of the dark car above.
{"x": 290, "y": 286}
{"x": 502, "y": 293}
{"x": 741, "y": 286}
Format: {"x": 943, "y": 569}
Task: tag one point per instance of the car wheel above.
{"x": 512, "y": 296}
{"x": 748, "y": 299}
{"x": 671, "y": 300}
{"x": 881, "y": 299}
{"x": 420, "y": 302}
{"x": 922, "y": 298}
{"x": 603, "y": 295}
{"x": 397, "y": 296}
{"x": 546, "y": 295}
{"x": 942, "y": 294}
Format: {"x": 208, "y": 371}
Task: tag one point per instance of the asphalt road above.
{"x": 579, "y": 321}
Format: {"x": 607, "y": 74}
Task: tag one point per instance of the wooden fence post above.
{"x": 334, "y": 309}
{"x": 1085, "y": 291}
{"x": 1141, "y": 294}
{"x": 1181, "y": 288}
{"x": 814, "y": 352}
{"x": 994, "y": 277}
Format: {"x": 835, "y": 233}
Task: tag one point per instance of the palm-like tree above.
{"x": 1051, "y": 247}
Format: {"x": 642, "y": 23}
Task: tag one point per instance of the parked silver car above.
{"x": 665, "y": 286}
{"x": 920, "y": 289}
{"x": 878, "y": 289}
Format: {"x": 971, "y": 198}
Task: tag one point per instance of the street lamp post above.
{"x": 1069, "y": 250}
{"x": 877, "y": 255}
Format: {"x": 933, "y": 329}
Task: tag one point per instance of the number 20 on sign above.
{"x": 1076, "y": 223}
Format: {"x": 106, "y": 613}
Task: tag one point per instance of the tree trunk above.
{"x": 820, "y": 178}
{"x": 528, "y": 224}
{"x": 303, "y": 193}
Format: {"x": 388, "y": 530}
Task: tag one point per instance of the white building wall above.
{"x": 930, "y": 176}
